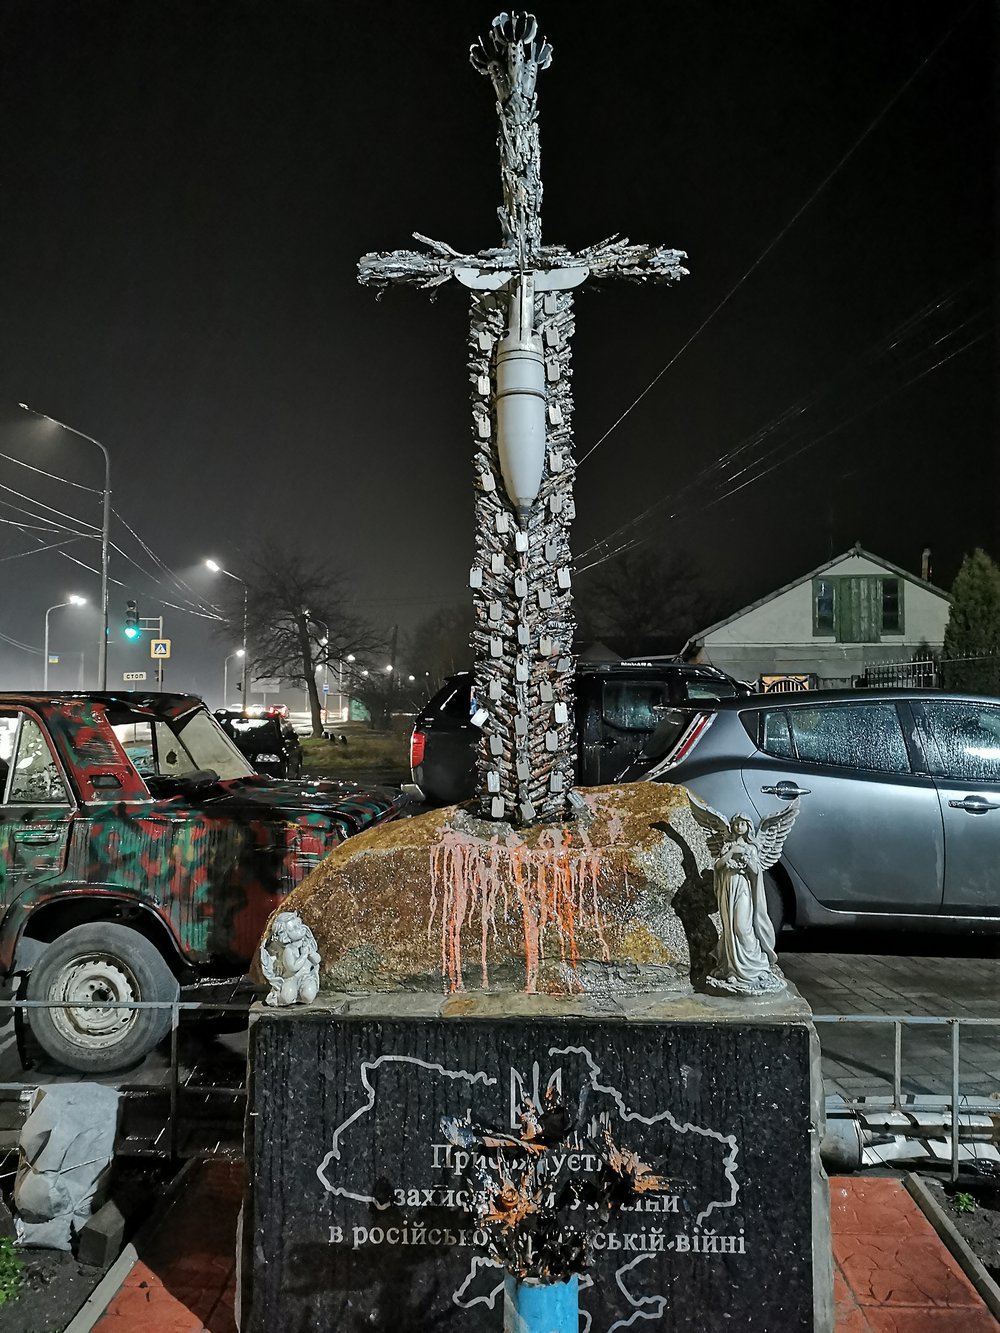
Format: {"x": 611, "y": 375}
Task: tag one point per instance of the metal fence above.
{"x": 199, "y": 1081}
{"x": 898, "y": 1021}
{"x": 171, "y": 1082}
{"x": 924, "y": 674}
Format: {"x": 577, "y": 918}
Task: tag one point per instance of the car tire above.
{"x": 99, "y": 961}
{"x": 775, "y": 903}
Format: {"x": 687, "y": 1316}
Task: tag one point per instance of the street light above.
{"x": 102, "y": 650}
{"x": 216, "y": 568}
{"x": 340, "y": 687}
{"x": 240, "y": 652}
{"x": 73, "y": 600}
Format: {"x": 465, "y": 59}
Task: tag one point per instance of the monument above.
{"x": 550, "y": 1043}
{"x": 520, "y": 330}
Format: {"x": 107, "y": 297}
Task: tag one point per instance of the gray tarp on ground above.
{"x": 66, "y": 1147}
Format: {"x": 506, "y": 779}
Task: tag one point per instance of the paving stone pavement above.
{"x": 892, "y": 1274}
{"x": 858, "y": 1059}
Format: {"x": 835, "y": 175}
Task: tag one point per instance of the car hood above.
{"x": 370, "y": 803}
{"x": 345, "y": 803}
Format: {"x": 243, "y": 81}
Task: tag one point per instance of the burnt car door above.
{"x": 961, "y": 740}
{"x": 36, "y": 809}
{"x": 868, "y": 837}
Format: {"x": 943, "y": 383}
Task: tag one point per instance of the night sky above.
{"x": 186, "y": 189}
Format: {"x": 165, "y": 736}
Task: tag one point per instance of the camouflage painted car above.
{"x": 140, "y": 851}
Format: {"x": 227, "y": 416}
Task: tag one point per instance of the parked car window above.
{"x": 208, "y": 747}
{"x": 34, "y": 777}
{"x": 850, "y": 736}
{"x": 776, "y": 738}
{"x": 136, "y": 739}
{"x": 700, "y": 688}
{"x": 965, "y": 740}
{"x": 175, "y": 750}
{"x": 457, "y": 703}
{"x": 8, "y": 735}
{"x": 632, "y": 705}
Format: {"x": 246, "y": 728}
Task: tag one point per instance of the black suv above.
{"x": 618, "y": 705}
{"x": 268, "y": 743}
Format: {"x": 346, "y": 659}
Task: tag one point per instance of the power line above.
{"x": 759, "y": 476}
{"x": 748, "y": 452}
{"x": 24, "y": 647}
{"x": 784, "y": 230}
{"x": 52, "y": 546}
{"x": 94, "y": 490}
{"x": 196, "y": 599}
{"x": 31, "y": 500}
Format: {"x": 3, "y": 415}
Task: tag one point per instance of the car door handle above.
{"x": 786, "y": 791}
{"x": 28, "y": 836}
{"x": 976, "y": 805}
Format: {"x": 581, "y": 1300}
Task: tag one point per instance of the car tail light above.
{"x": 417, "y": 743}
{"x": 686, "y": 742}
{"x": 691, "y": 737}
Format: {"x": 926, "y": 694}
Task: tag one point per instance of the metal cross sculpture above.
{"x": 522, "y": 406}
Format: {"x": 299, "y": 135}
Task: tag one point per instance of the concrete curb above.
{"x": 945, "y": 1228}
{"x": 100, "y": 1298}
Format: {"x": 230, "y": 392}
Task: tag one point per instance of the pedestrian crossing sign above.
{"x": 159, "y": 647}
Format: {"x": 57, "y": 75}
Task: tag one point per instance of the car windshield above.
{"x": 179, "y": 747}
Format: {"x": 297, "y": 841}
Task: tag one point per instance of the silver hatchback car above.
{"x": 899, "y": 810}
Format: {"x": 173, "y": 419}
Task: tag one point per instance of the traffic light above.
{"x": 132, "y": 627}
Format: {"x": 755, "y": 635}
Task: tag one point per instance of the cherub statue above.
{"x": 745, "y": 960}
{"x": 290, "y": 961}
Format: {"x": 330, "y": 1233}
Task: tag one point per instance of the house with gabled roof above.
{"x": 854, "y": 612}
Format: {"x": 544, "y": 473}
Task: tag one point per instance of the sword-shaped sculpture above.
{"x": 522, "y": 405}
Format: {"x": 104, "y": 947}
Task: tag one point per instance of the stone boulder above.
{"x": 615, "y": 900}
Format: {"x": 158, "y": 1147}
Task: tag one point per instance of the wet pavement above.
{"x": 963, "y": 982}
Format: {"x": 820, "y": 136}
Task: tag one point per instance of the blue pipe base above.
{"x": 535, "y": 1307}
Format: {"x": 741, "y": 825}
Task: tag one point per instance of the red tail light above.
{"x": 685, "y": 743}
{"x": 691, "y": 737}
{"x": 417, "y": 742}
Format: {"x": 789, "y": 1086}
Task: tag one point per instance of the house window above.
{"x": 824, "y": 606}
{"x": 892, "y": 607}
{"x": 857, "y": 608}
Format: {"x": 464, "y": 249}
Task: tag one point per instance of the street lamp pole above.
{"x": 216, "y": 568}
{"x": 245, "y": 691}
{"x": 340, "y": 691}
{"x": 102, "y": 647}
{"x": 73, "y": 601}
{"x": 240, "y": 652}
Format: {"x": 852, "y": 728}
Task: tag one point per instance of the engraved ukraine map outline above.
{"x": 643, "y": 1307}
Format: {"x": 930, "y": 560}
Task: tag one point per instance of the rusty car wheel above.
{"x": 100, "y": 962}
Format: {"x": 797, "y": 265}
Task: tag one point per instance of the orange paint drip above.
{"x": 555, "y": 887}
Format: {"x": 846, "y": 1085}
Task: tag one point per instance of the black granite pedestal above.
{"x": 355, "y": 1214}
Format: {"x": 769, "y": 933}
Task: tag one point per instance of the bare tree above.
{"x": 642, "y": 602}
{"x": 441, "y": 645}
{"x": 300, "y": 618}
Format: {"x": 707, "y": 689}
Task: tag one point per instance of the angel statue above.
{"x": 745, "y": 960}
{"x": 290, "y": 961}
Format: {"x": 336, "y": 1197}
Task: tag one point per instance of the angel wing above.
{"x": 716, "y": 826}
{"x": 267, "y": 961}
{"x": 773, "y": 831}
